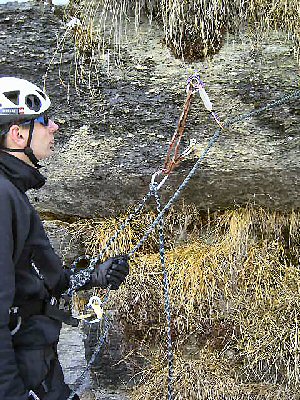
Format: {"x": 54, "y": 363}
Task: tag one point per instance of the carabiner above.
{"x": 153, "y": 180}
{"x": 96, "y": 305}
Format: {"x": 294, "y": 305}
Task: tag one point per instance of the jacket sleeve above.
{"x": 11, "y": 384}
{"x": 57, "y": 278}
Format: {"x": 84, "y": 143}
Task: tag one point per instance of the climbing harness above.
{"x": 49, "y": 308}
{"x": 172, "y": 160}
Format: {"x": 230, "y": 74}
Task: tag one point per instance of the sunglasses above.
{"x": 42, "y": 119}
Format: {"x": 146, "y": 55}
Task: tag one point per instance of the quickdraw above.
{"x": 82, "y": 278}
{"x": 173, "y": 158}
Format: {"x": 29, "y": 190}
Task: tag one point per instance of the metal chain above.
{"x": 166, "y": 288}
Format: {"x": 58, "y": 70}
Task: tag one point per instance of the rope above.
{"x": 80, "y": 279}
{"x": 84, "y": 276}
{"x": 213, "y": 140}
{"x": 166, "y": 288}
{"x": 176, "y": 194}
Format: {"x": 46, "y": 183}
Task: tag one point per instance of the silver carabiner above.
{"x": 33, "y": 396}
{"x": 153, "y": 180}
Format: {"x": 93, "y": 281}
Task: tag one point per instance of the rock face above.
{"x": 113, "y": 138}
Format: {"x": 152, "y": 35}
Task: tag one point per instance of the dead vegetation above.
{"x": 235, "y": 296}
{"x": 192, "y": 29}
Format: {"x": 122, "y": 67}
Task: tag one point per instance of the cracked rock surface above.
{"x": 113, "y": 139}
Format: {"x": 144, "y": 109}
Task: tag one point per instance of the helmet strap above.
{"x": 29, "y": 153}
{"x": 28, "y": 150}
{"x": 30, "y": 133}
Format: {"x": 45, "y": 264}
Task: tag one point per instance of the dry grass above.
{"x": 192, "y": 29}
{"x": 235, "y": 294}
{"x": 205, "y": 376}
{"x": 94, "y": 233}
{"x": 195, "y": 29}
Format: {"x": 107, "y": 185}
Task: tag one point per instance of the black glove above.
{"x": 112, "y": 272}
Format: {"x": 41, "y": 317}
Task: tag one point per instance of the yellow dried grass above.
{"x": 193, "y": 29}
{"x": 235, "y": 296}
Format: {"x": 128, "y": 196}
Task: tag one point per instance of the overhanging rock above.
{"x": 113, "y": 139}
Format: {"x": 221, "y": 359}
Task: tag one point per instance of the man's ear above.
{"x": 17, "y": 136}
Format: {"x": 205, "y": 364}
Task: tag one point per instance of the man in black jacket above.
{"x": 32, "y": 277}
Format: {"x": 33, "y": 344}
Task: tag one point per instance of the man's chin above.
{"x": 46, "y": 155}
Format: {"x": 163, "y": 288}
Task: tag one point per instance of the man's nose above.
{"x": 52, "y": 126}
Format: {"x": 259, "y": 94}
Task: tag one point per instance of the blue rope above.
{"x": 166, "y": 288}
{"x": 83, "y": 277}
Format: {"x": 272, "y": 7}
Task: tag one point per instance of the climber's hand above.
{"x": 110, "y": 273}
{"x": 118, "y": 271}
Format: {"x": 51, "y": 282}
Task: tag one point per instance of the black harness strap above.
{"x": 41, "y": 307}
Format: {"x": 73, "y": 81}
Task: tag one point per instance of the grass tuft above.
{"x": 235, "y": 297}
{"x": 192, "y": 29}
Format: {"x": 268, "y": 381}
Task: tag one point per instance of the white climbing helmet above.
{"x": 21, "y": 100}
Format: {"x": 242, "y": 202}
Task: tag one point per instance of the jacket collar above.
{"x": 22, "y": 175}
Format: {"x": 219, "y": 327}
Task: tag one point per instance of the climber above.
{"x": 32, "y": 276}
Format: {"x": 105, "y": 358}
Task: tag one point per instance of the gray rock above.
{"x": 65, "y": 244}
{"x": 115, "y": 136}
{"x": 71, "y": 353}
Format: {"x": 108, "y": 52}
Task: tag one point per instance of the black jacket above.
{"x": 23, "y": 240}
